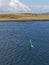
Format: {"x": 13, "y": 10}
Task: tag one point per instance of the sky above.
{"x": 24, "y": 6}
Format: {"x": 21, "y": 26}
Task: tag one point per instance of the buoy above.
{"x": 30, "y": 44}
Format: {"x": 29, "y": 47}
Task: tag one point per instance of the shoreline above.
{"x": 23, "y": 20}
{"x": 23, "y": 17}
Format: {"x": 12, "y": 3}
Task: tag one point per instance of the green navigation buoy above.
{"x": 30, "y": 44}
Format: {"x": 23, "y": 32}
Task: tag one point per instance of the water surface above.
{"x": 14, "y": 41}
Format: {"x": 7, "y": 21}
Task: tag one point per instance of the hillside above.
{"x": 23, "y": 17}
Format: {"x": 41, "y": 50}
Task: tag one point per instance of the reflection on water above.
{"x": 14, "y": 41}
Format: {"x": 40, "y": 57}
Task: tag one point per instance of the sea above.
{"x": 15, "y": 39}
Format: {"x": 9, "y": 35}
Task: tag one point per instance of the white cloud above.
{"x": 40, "y": 8}
{"x": 17, "y": 4}
{"x": 13, "y": 6}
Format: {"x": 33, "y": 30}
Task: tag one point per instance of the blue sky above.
{"x": 35, "y": 2}
{"x": 24, "y": 6}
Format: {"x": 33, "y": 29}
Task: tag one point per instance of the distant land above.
{"x": 24, "y": 17}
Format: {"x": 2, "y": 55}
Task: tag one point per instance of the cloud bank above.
{"x": 40, "y": 8}
{"x": 13, "y": 6}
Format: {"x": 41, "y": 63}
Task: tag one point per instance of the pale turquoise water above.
{"x": 14, "y": 41}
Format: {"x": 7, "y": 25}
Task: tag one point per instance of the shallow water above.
{"x": 14, "y": 41}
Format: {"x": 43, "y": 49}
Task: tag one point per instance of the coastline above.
{"x": 23, "y": 20}
{"x": 23, "y": 17}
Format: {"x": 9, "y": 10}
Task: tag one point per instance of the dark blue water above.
{"x": 14, "y": 41}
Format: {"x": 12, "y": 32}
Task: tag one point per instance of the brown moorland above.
{"x": 24, "y": 17}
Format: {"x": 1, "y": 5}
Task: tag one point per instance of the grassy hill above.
{"x": 23, "y": 17}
